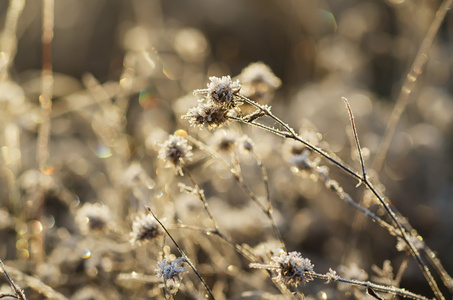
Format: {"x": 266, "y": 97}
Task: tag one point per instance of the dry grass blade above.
{"x": 409, "y": 84}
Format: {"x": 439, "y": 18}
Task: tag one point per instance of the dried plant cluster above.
{"x": 307, "y": 154}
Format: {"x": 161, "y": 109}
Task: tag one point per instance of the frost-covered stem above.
{"x": 346, "y": 197}
{"x": 270, "y": 209}
{"x": 183, "y": 254}
{"x": 434, "y": 260}
{"x": 265, "y": 178}
{"x": 266, "y": 210}
{"x": 241, "y": 250}
{"x": 236, "y": 171}
{"x": 369, "y": 285}
{"x": 401, "y": 270}
{"x": 201, "y": 196}
{"x": 18, "y": 292}
{"x": 290, "y": 133}
{"x": 423, "y": 266}
{"x": 216, "y": 230}
{"x": 356, "y": 136}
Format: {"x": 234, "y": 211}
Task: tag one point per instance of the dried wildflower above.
{"x": 171, "y": 270}
{"x": 222, "y": 90}
{"x": 207, "y": 114}
{"x": 259, "y": 72}
{"x": 144, "y": 229}
{"x": 174, "y": 151}
{"x": 93, "y": 217}
{"x": 224, "y": 140}
{"x": 291, "y": 268}
{"x": 258, "y": 82}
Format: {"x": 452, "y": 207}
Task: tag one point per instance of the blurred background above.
{"x": 123, "y": 74}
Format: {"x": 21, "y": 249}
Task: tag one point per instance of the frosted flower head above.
{"x": 170, "y": 270}
{"x": 174, "y": 151}
{"x": 259, "y": 72}
{"x": 93, "y": 217}
{"x": 224, "y": 140}
{"x": 291, "y": 268}
{"x": 222, "y": 90}
{"x": 144, "y": 229}
{"x": 259, "y": 82}
{"x": 208, "y": 115}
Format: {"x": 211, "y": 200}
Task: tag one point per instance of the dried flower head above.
{"x": 174, "y": 151}
{"x": 224, "y": 140}
{"x": 144, "y": 229}
{"x": 222, "y": 90}
{"x": 259, "y": 72}
{"x": 93, "y": 217}
{"x": 258, "y": 82}
{"x": 171, "y": 270}
{"x": 209, "y": 114}
{"x": 291, "y": 268}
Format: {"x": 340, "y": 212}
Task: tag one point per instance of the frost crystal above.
{"x": 170, "y": 270}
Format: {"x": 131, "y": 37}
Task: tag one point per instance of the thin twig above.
{"x": 18, "y": 292}
{"x": 369, "y": 285}
{"x": 356, "y": 136}
{"x": 216, "y": 231}
{"x": 201, "y": 196}
{"x": 183, "y": 254}
{"x": 270, "y": 209}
